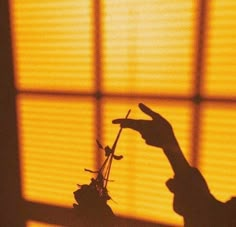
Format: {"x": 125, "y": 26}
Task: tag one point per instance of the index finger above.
{"x": 127, "y": 123}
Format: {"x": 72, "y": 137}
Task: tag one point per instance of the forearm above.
{"x": 176, "y": 158}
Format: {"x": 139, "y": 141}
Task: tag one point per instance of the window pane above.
{"x": 220, "y": 77}
{"x": 53, "y": 45}
{"x": 218, "y": 144}
{"x": 148, "y": 46}
{"x": 56, "y": 143}
{"x": 139, "y": 189}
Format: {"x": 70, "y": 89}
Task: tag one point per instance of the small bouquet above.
{"x": 92, "y": 198}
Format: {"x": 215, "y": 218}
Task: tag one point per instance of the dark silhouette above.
{"x": 92, "y": 208}
{"x": 192, "y": 197}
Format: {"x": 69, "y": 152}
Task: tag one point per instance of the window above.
{"x": 80, "y": 64}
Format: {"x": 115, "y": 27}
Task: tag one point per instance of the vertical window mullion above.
{"x": 198, "y": 75}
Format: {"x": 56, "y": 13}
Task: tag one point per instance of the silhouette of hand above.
{"x": 156, "y": 132}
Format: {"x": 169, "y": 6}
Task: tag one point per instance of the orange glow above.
{"x": 139, "y": 179}
{"x": 39, "y": 224}
{"x": 148, "y": 46}
{"x": 56, "y": 144}
{"x": 221, "y": 50}
{"x": 53, "y": 45}
{"x": 218, "y": 156}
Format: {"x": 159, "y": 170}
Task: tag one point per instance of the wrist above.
{"x": 171, "y": 145}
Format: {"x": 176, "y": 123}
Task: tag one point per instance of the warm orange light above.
{"x": 39, "y": 224}
{"x": 53, "y": 45}
{"x": 57, "y": 139}
{"x": 148, "y": 46}
{"x": 220, "y": 76}
{"x": 218, "y": 155}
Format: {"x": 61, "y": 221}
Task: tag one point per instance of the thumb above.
{"x": 148, "y": 111}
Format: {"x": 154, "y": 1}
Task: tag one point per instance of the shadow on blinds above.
{"x": 41, "y": 215}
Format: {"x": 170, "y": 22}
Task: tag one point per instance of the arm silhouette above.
{"x": 192, "y": 197}
{"x": 158, "y": 132}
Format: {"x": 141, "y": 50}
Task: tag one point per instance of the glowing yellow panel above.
{"x": 56, "y": 143}
{"x": 40, "y": 224}
{"x": 139, "y": 189}
{"x": 53, "y": 44}
{"x": 148, "y": 46}
{"x": 220, "y": 77}
{"x": 217, "y": 151}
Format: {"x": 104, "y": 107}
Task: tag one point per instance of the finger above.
{"x": 128, "y": 123}
{"x": 148, "y": 111}
{"x": 118, "y": 121}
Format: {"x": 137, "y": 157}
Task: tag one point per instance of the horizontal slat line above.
{"x": 37, "y": 172}
{"x": 66, "y": 186}
{"x": 57, "y": 69}
{"x": 66, "y": 27}
{"x": 47, "y": 14}
{"x": 164, "y": 5}
{"x": 169, "y": 25}
{"x": 161, "y": 46}
{"x": 62, "y": 185}
{"x": 48, "y": 4}
{"x": 164, "y": 35}
{"x": 145, "y": 61}
{"x": 53, "y": 136}
{"x": 73, "y": 172}
{"x": 58, "y": 31}
{"x": 215, "y": 99}
{"x": 38, "y": 156}
{"x": 71, "y": 53}
{"x": 167, "y": 19}
{"x": 53, "y": 122}
{"x": 70, "y": 187}
{"x": 59, "y": 37}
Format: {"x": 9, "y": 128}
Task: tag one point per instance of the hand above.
{"x": 156, "y": 132}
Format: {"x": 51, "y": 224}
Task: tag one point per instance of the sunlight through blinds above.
{"x": 53, "y": 45}
{"x": 39, "y": 224}
{"x": 218, "y": 144}
{"x": 56, "y": 136}
{"x": 139, "y": 189}
{"x": 148, "y": 46}
{"x": 220, "y": 79}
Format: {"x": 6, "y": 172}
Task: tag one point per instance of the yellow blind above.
{"x": 220, "y": 79}
{"x": 218, "y": 156}
{"x": 53, "y": 45}
{"x": 217, "y": 144}
{"x": 57, "y": 141}
{"x": 148, "y": 46}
